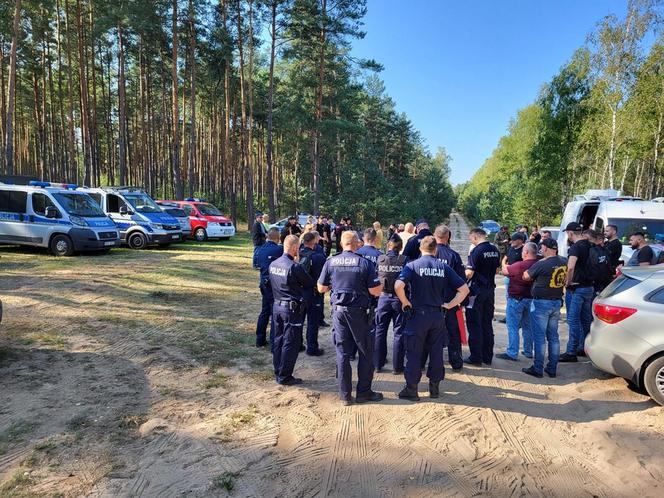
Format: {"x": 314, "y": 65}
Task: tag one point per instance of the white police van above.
{"x": 140, "y": 220}
{"x": 56, "y": 216}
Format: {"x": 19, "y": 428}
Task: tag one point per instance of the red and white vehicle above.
{"x": 207, "y": 222}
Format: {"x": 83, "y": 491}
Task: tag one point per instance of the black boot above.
{"x": 434, "y": 389}
{"x": 409, "y": 392}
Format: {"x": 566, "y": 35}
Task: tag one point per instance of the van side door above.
{"x": 42, "y": 227}
{"x": 14, "y": 217}
{"x": 112, "y": 207}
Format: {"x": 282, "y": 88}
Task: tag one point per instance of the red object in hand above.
{"x": 462, "y": 327}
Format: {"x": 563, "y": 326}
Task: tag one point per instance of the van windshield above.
{"x": 142, "y": 203}
{"x": 653, "y": 229}
{"x": 208, "y": 209}
{"x": 79, "y": 204}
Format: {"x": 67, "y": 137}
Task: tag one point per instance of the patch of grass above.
{"x": 218, "y": 379}
{"x": 15, "y": 485}
{"x": 240, "y": 418}
{"x": 50, "y": 339}
{"x": 14, "y": 434}
{"x": 225, "y": 481}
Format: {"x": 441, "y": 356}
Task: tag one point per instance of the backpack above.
{"x": 305, "y": 262}
{"x": 598, "y": 266}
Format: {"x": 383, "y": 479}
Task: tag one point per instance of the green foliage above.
{"x": 599, "y": 123}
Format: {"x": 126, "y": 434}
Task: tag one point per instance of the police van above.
{"x": 141, "y": 221}
{"x": 56, "y": 216}
{"x": 598, "y": 208}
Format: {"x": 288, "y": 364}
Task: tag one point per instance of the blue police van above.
{"x": 141, "y": 221}
{"x": 56, "y": 216}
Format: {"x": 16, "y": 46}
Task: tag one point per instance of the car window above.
{"x": 620, "y": 284}
{"x": 12, "y": 201}
{"x": 40, "y": 202}
{"x": 188, "y": 209}
{"x": 656, "y": 296}
{"x": 114, "y": 203}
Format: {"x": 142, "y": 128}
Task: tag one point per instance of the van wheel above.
{"x": 61, "y": 245}
{"x": 200, "y": 235}
{"x": 653, "y": 380}
{"x": 137, "y": 241}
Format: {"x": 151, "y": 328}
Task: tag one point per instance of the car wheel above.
{"x": 137, "y": 240}
{"x": 200, "y": 235}
{"x": 653, "y": 380}
{"x": 61, "y": 245}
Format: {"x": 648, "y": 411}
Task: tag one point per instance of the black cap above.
{"x": 258, "y": 213}
{"x": 573, "y": 227}
{"x": 550, "y": 243}
{"x": 518, "y": 236}
{"x": 421, "y": 221}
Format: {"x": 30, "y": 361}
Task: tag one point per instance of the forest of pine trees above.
{"x": 253, "y": 104}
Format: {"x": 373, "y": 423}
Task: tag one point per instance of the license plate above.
{"x": 175, "y": 237}
{"x": 109, "y": 243}
{"x": 228, "y": 232}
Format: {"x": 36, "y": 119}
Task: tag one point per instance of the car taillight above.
{"x": 612, "y": 314}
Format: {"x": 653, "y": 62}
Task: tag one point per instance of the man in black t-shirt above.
{"x": 548, "y": 276}
{"x": 324, "y": 230}
{"x": 613, "y": 245}
{"x": 580, "y": 293}
{"x": 643, "y": 253}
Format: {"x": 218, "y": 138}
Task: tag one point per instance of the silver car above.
{"x": 627, "y": 335}
{"x": 178, "y": 213}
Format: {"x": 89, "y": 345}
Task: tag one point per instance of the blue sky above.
{"x": 461, "y": 69}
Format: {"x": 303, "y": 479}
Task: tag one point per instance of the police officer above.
{"x": 412, "y": 249}
{"x": 429, "y": 280}
{"x": 483, "y": 262}
{"x": 289, "y": 283}
{"x": 389, "y": 308}
{"x": 452, "y": 259}
{"x": 353, "y": 280}
{"x": 312, "y": 260}
{"x": 265, "y": 255}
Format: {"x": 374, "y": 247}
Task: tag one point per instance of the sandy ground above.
{"x": 134, "y": 374}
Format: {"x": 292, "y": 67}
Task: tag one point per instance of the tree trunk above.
{"x": 122, "y": 110}
{"x": 319, "y": 110}
{"x": 244, "y": 146}
{"x": 192, "y": 100}
{"x": 85, "y": 110}
{"x": 11, "y": 98}
{"x": 177, "y": 176}
{"x": 270, "y": 111}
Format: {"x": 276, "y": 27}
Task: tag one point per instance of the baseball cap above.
{"x": 421, "y": 221}
{"x": 258, "y": 213}
{"x": 573, "y": 227}
{"x": 518, "y": 236}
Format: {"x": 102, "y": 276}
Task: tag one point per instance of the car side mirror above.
{"x": 51, "y": 212}
{"x": 124, "y": 211}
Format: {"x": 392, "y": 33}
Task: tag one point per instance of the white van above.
{"x": 56, "y": 216}
{"x": 140, "y": 220}
{"x": 598, "y": 208}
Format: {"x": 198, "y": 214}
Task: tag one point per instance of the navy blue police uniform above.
{"x": 351, "y": 276}
{"x": 289, "y": 283}
{"x": 484, "y": 260}
{"x": 412, "y": 249}
{"x": 430, "y": 281}
{"x": 312, "y": 260}
{"x": 452, "y": 259}
{"x": 389, "y": 310}
{"x": 265, "y": 255}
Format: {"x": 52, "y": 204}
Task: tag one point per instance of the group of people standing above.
{"x": 419, "y": 288}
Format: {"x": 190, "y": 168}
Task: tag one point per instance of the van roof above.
{"x": 632, "y": 209}
{"x": 32, "y": 188}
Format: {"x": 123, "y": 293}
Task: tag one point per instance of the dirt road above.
{"x": 134, "y": 374}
